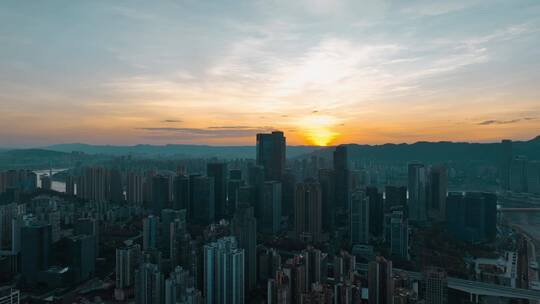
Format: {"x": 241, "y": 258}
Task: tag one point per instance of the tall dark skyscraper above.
{"x": 505, "y": 161}
{"x": 270, "y": 216}
{"x": 180, "y": 192}
{"x": 438, "y": 188}
{"x": 244, "y": 228}
{"x": 35, "y": 250}
{"x": 202, "y": 200}
{"x": 271, "y": 154}
{"x": 308, "y": 211}
{"x": 342, "y": 177}
{"x": 395, "y": 196}
{"x": 436, "y": 285}
{"x": 376, "y": 211}
{"x": 160, "y": 194}
{"x": 380, "y": 283}
{"x": 417, "y": 204}
{"x": 328, "y": 197}
{"x": 218, "y": 171}
{"x": 472, "y": 217}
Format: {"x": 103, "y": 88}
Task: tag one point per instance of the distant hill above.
{"x": 436, "y": 151}
{"x": 36, "y": 158}
{"x": 186, "y": 151}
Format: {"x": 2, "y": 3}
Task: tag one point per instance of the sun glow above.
{"x": 318, "y": 130}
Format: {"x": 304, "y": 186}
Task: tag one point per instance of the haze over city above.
{"x": 214, "y": 72}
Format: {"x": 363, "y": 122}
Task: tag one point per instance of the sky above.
{"x": 217, "y": 72}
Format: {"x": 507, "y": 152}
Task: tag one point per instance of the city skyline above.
{"x": 324, "y": 72}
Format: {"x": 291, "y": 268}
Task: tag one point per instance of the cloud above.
{"x": 210, "y": 132}
{"x": 171, "y": 120}
{"x": 503, "y": 122}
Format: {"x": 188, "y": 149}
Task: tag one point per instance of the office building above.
{"x": 181, "y": 193}
{"x": 376, "y": 211}
{"x": 342, "y": 177}
{"x": 344, "y": 266}
{"x": 218, "y": 171}
{"x": 472, "y": 217}
{"x": 46, "y": 182}
{"x": 270, "y": 215}
{"x": 417, "y": 192}
{"x": 168, "y": 216}
{"x": 380, "y": 282}
{"x": 224, "y": 275}
{"x": 88, "y": 226}
{"x": 438, "y": 188}
{"x": 36, "y": 242}
{"x": 505, "y": 162}
{"x": 160, "y": 194}
{"x": 308, "y": 211}
{"x": 359, "y": 222}
{"x": 202, "y": 200}
{"x": 399, "y": 235}
{"x": 150, "y": 232}
{"x": 134, "y": 188}
{"x": 328, "y": 197}
{"x": 244, "y": 229}
{"x": 127, "y": 260}
{"x": 271, "y": 154}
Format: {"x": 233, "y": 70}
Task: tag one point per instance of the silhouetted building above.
{"x": 270, "y": 216}
{"x": 81, "y": 257}
{"x": 438, "y": 188}
{"x": 505, "y": 159}
{"x": 399, "y": 235}
{"x": 202, "y": 200}
{"x": 46, "y": 182}
{"x": 160, "y": 194}
{"x": 518, "y": 174}
{"x": 342, "y": 177}
{"x": 35, "y": 250}
{"x": 359, "y": 223}
{"x": 127, "y": 260}
{"x": 380, "y": 283}
{"x": 417, "y": 192}
{"x": 181, "y": 192}
{"x": 134, "y": 188}
{"x": 472, "y": 217}
{"x": 327, "y": 180}
{"x": 271, "y": 154}
{"x": 376, "y": 211}
{"x": 168, "y": 216}
{"x": 150, "y": 232}
{"x": 218, "y": 171}
{"x": 308, "y": 211}
{"x": 244, "y": 228}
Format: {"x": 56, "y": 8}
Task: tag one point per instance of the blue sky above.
{"x": 217, "y": 72}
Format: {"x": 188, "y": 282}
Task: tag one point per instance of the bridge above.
{"x": 474, "y": 288}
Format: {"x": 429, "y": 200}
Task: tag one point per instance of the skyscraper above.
{"x": 328, "y": 198}
{"x": 342, "y": 177}
{"x": 168, "y": 216}
{"x": 270, "y": 215}
{"x": 399, "y": 235}
{"x": 35, "y": 250}
{"x": 438, "y": 188}
{"x": 160, "y": 193}
{"x": 181, "y": 192}
{"x": 149, "y": 284}
{"x": 244, "y": 228}
{"x": 218, "y": 171}
{"x": 202, "y": 199}
{"x": 359, "y": 223}
{"x": 417, "y": 192}
{"x": 127, "y": 259}
{"x": 380, "y": 284}
{"x": 271, "y": 154}
{"x": 224, "y": 272}
{"x": 436, "y": 285}
{"x": 376, "y": 211}
{"x": 308, "y": 211}
{"x": 472, "y": 217}
{"x": 150, "y": 232}
{"x": 134, "y": 190}
{"x": 505, "y": 159}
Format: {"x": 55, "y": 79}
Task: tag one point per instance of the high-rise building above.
{"x": 244, "y": 228}
{"x": 313, "y": 261}
{"x": 270, "y": 211}
{"x": 271, "y": 154}
{"x": 233, "y": 189}
{"x": 438, "y": 188}
{"x": 127, "y": 259}
{"x": 179, "y": 288}
{"x": 224, "y": 272}
{"x": 533, "y": 177}
{"x": 436, "y": 285}
{"x": 518, "y": 174}
{"x": 71, "y": 182}
{"x": 417, "y": 192}
{"x": 399, "y": 235}
{"x": 278, "y": 289}
{"x": 202, "y": 200}
{"x": 114, "y": 191}
{"x": 342, "y": 177}
{"x": 295, "y": 270}
{"x": 505, "y": 159}
{"x": 46, "y": 182}
{"x": 376, "y": 211}
{"x": 269, "y": 261}
{"x": 218, "y": 171}
{"x": 472, "y": 217}
{"x": 92, "y": 184}
{"x": 8, "y": 295}
{"x": 88, "y": 226}
{"x": 150, "y": 232}
{"x": 359, "y": 223}
{"x": 149, "y": 284}
{"x": 256, "y": 180}
{"x": 160, "y": 194}
{"x": 168, "y": 216}
{"x": 181, "y": 193}
{"x": 308, "y": 211}
{"x": 288, "y": 189}
{"x": 380, "y": 283}
{"x": 327, "y": 180}
{"x": 344, "y": 266}
{"x": 134, "y": 189}
{"x": 36, "y": 242}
